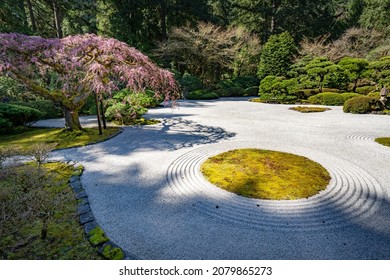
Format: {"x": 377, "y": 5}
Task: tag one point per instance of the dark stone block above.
{"x": 74, "y": 179}
{"x": 86, "y": 218}
{"x": 83, "y": 201}
{"x": 76, "y": 186}
{"x": 89, "y": 226}
{"x": 81, "y": 195}
{"x": 82, "y": 209}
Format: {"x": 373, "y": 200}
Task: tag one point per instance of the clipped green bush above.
{"x": 189, "y": 82}
{"x": 359, "y": 105}
{"x": 331, "y": 98}
{"x": 365, "y": 89}
{"x": 202, "y": 94}
{"x": 246, "y": 81}
{"x": 4, "y": 122}
{"x": 251, "y": 91}
{"x": 279, "y": 90}
{"x": 234, "y": 92}
{"x": 19, "y": 115}
{"x": 47, "y": 107}
{"x": 124, "y": 113}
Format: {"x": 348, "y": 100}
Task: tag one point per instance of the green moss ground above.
{"x": 23, "y": 138}
{"x": 308, "y": 109}
{"x": 66, "y": 238}
{"x": 266, "y": 174}
{"x": 385, "y": 141}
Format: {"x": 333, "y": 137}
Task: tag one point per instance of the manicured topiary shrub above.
{"x": 365, "y": 89}
{"x": 331, "y": 98}
{"x": 189, "y": 82}
{"x": 234, "y": 92}
{"x": 278, "y": 90}
{"x": 251, "y": 91}
{"x": 47, "y": 107}
{"x": 19, "y": 115}
{"x": 124, "y": 113}
{"x": 359, "y": 105}
{"x": 202, "y": 94}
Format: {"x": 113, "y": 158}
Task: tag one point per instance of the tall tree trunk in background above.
{"x": 163, "y": 19}
{"x": 273, "y": 12}
{"x": 32, "y": 16}
{"x": 57, "y": 19}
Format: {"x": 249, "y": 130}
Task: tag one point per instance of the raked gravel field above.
{"x": 147, "y": 193}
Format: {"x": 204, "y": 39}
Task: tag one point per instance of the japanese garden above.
{"x": 186, "y": 130}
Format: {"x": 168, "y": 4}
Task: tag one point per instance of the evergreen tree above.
{"x": 277, "y": 55}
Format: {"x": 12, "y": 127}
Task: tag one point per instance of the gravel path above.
{"x": 147, "y": 193}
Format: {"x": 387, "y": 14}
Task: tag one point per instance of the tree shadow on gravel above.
{"x": 169, "y": 135}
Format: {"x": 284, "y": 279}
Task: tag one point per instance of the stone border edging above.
{"x": 85, "y": 214}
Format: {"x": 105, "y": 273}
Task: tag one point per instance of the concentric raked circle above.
{"x": 358, "y": 137}
{"x": 351, "y": 194}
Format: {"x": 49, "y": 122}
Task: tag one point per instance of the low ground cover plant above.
{"x": 308, "y": 109}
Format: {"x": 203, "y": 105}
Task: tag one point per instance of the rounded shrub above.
{"x": 47, "y": 107}
{"x": 19, "y": 115}
{"x": 251, "y": 91}
{"x": 365, "y": 89}
{"x": 331, "y": 98}
{"x": 359, "y": 105}
{"x": 124, "y": 113}
{"x": 234, "y": 92}
{"x": 202, "y": 94}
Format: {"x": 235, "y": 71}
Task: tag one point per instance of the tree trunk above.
{"x": 32, "y": 16}
{"x": 103, "y": 116}
{"x": 72, "y": 121}
{"x": 57, "y": 19}
{"x": 98, "y": 114}
{"x": 163, "y": 18}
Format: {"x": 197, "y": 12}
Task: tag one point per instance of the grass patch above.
{"x": 266, "y": 174}
{"x": 23, "y": 138}
{"x": 307, "y": 109}
{"x": 20, "y": 235}
{"x": 385, "y": 141}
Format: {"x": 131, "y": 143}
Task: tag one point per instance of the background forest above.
{"x": 284, "y": 50}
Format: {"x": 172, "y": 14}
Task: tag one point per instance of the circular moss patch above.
{"x": 266, "y": 174}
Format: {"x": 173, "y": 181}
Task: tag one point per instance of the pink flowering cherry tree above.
{"x": 69, "y": 70}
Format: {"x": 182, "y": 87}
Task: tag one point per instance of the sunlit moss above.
{"x": 266, "y": 174}
{"x": 66, "y": 238}
{"x": 385, "y": 141}
{"x": 61, "y": 137}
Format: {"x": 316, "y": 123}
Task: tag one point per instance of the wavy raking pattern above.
{"x": 351, "y": 194}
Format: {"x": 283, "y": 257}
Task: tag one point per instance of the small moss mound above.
{"x": 113, "y": 253}
{"x": 97, "y": 236}
{"x": 266, "y": 174}
{"x": 305, "y": 109}
{"x": 385, "y": 141}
